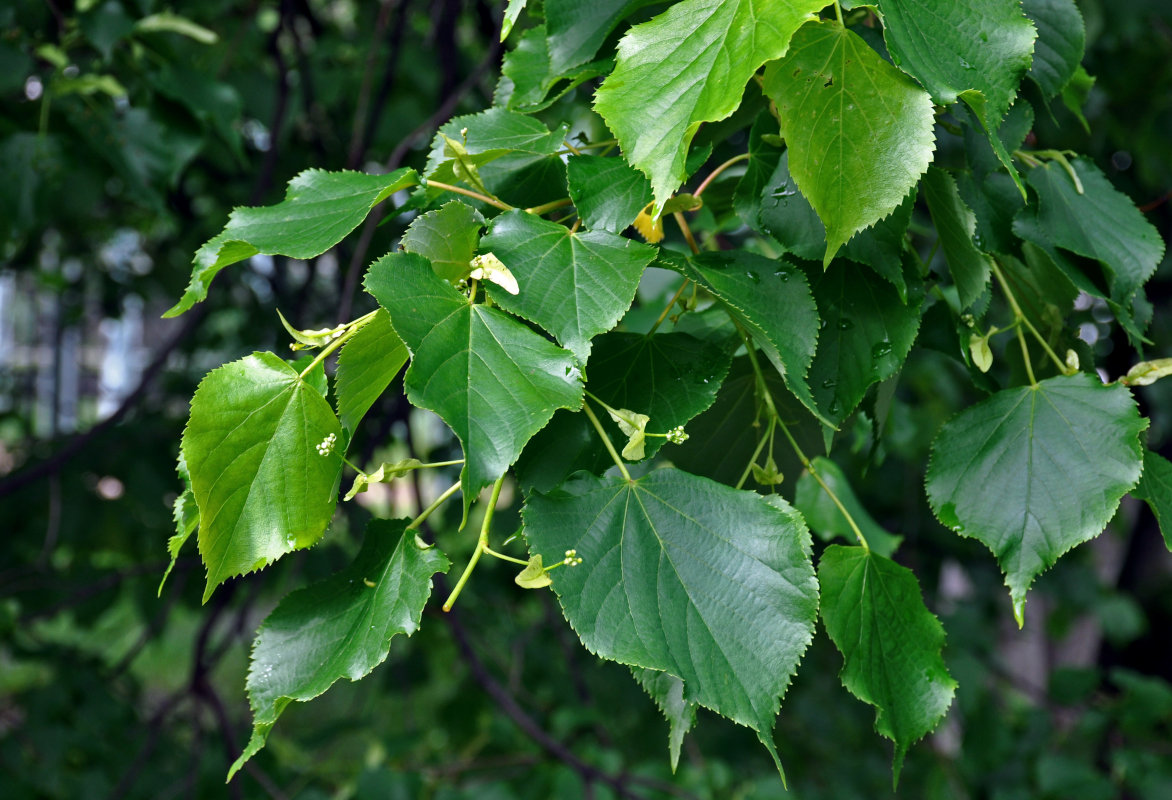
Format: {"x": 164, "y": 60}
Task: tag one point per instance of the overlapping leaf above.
{"x": 527, "y": 75}
{"x": 607, "y": 192}
{"x": 1033, "y": 471}
{"x": 319, "y": 209}
{"x": 686, "y": 576}
{"x": 859, "y": 131}
{"x": 668, "y": 693}
{"x": 956, "y": 224}
{"x": 771, "y": 299}
{"x": 1061, "y": 42}
{"x": 340, "y": 627}
{"x": 447, "y": 237}
{"x": 670, "y": 377}
{"x": 575, "y": 285}
{"x": 491, "y": 379}
{"x": 366, "y": 366}
{"x": 890, "y": 643}
{"x": 261, "y": 486}
{"x": 1155, "y": 488}
{"x": 866, "y": 335}
{"x": 576, "y": 30}
{"x": 686, "y": 66}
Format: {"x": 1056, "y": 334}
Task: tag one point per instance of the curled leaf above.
{"x": 634, "y": 426}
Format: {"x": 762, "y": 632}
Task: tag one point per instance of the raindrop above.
{"x": 829, "y": 383}
{"x": 782, "y": 274}
{"x": 966, "y": 64}
{"x": 845, "y": 324}
{"x": 881, "y": 350}
{"x": 753, "y": 276}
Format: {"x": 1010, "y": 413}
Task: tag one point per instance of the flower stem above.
{"x": 606, "y": 440}
{"x": 481, "y": 544}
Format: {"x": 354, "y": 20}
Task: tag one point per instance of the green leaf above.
{"x": 512, "y": 13}
{"x": 607, "y": 193}
{"x": 788, "y": 217}
{"x": 1033, "y": 471}
{"x": 866, "y": 335}
{"x": 185, "y": 513}
{"x": 890, "y": 643}
{"x": 366, "y": 366}
{"x": 684, "y": 575}
{"x": 670, "y": 377}
{"x": 577, "y": 29}
{"x": 956, "y": 224}
{"x": 764, "y": 153}
{"x": 771, "y": 299}
{"x": 1100, "y": 223}
{"x": 667, "y": 691}
{"x": 447, "y": 237}
{"x": 527, "y": 75}
{"x": 319, "y": 209}
{"x": 1062, "y": 39}
{"x": 1155, "y": 488}
{"x": 824, "y": 517}
{"x": 859, "y": 131}
{"x": 340, "y": 627}
{"x": 491, "y": 379}
{"x": 1075, "y": 94}
{"x": 575, "y": 285}
{"x": 686, "y": 66}
{"x": 261, "y": 486}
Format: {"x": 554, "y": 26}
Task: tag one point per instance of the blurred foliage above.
{"x": 126, "y": 136}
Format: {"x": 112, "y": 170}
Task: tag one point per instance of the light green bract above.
{"x": 1033, "y": 471}
{"x": 686, "y": 66}
{"x": 890, "y": 643}
{"x": 319, "y": 209}
{"x": 340, "y": 627}
{"x": 491, "y": 379}
{"x": 859, "y": 131}
{"x": 686, "y": 576}
{"x": 251, "y": 446}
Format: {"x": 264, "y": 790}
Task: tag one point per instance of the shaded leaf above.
{"x": 491, "y": 379}
{"x": 686, "y": 66}
{"x": 890, "y": 643}
{"x": 447, "y": 237}
{"x": 686, "y": 576}
{"x": 577, "y": 29}
{"x": 1061, "y": 42}
{"x": 319, "y": 209}
{"x": 956, "y": 224}
{"x": 1033, "y": 471}
{"x": 575, "y": 285}
{"x": 667, "y": 691}
{"x": 824, "y": 517}
{"x": 261, "y": 486}
{"x": 859, "y": 131}
{"x": 340, "y": 627}
{"x": 1155, "y": 488}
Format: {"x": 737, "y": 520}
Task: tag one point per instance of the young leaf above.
{"x": 866, "y": 335}
{"x": 340, "y": 627}
{"x": 253, "y": 446}
{"x": 1033, "y": 471}
{"x": 491, "y": 379}
{"x": 955, "y": 223}
{"x": 366, "y": 366}
{"x": 686, "y": 66}
{"x": 1155, "y": 488}
{"x": 1100, "y": 222}
{"x": 976, "y": 51}
{"x": 825, "y": 518}
{"x": 1061, "y": 43}
{"x": 686, "y": 576}
{"x": 771, "y": 299}
{"x": 890, "y": 643}
{"x": 447, "y": 237}
{"x": 668, "y": 693}
{"x": 319, "y": 209}
{"x": 575, "y": 285}
{"x": 859, "y": 131}
{"x": 185, "y": 513}
{"x": 607, "y": 192}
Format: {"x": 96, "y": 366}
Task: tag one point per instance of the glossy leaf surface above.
{"x": 956, "y": 224}
{"x": 1033, "y": 471}
{"x": 366, "y": 366}
{"x": 1061, "y": 42}
{"x": 447, "y": 237}
{"x": 607, "y": 192}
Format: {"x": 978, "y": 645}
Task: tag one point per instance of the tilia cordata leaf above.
{"x": 686, "y": 576}
{"x": 1035, "y": 470}
{"x": 340, "y": 627}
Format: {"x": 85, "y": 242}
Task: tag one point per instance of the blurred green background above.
{"x": 127, "y": 134}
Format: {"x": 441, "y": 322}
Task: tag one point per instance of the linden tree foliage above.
{"x": 663, "y": 289}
